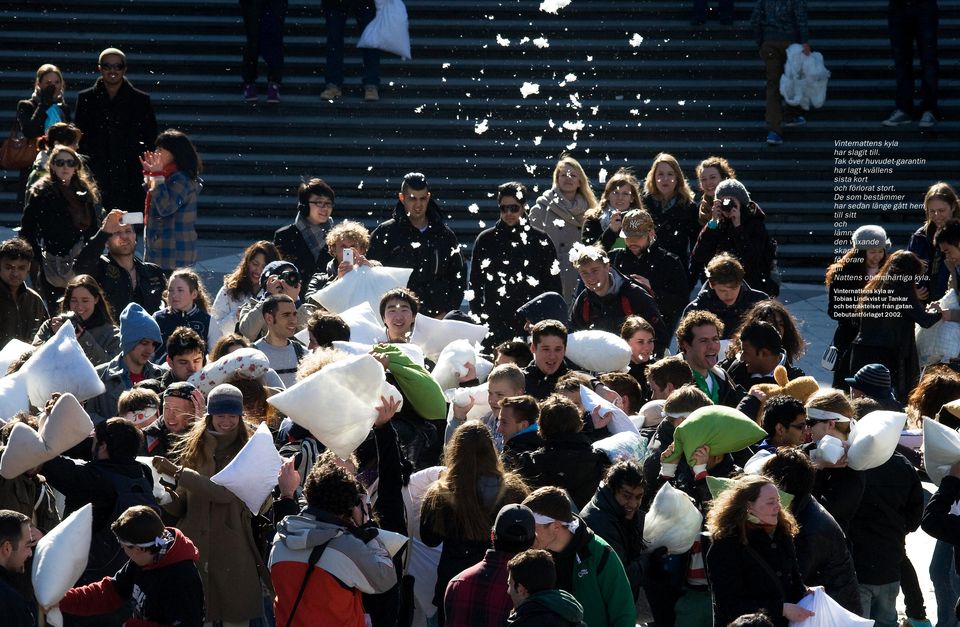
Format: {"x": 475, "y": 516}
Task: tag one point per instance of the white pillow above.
{"x": 59, "y": 559}
{"x": 827, "y": 611}
{"x": 625, "y": 445}
{"x": 338, "y": 403}
{"x": 11, "y": 352}
{"x": 451, "y": 363}
{"x": 392, "y": 540}
{"x": 940, "y": 342}
{"x": 252, "y": 474}
{"x": 66, "y": 426}
{"x": 250, "y": 363}
{"x": 159, "y": 493}
{"x": 60, "y": 365}
{"x": 874, "y": 439}
{"x": 941, "y": 449}
{"x": 365, "y": 324}
{"x": 434, "y": 335}
{"x": 13, "y": 395}
{"x": 355, "y": 348}
{"x": 620, "y": 422}
{"x": 462, "y": 396}
{"x": 598, "y": 351}
{"x": 672, "y": 522}
{"x": 363, "y": 284}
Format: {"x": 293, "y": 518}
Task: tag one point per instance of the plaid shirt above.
{"x": 170, "y": 239}
{"x": 478, "y": 597}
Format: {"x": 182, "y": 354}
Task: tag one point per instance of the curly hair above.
{"x": 939, "y": 385}
{"x": 331, "y": 488}
{"x": 694, "y": 319}
{"x": 352, "y": 230}
{"x": 774, "y": 312}
{"x": 727, "y": 517}
{"x": 192, "y": 279}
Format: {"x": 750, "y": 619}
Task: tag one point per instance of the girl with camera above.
{"x": 85, "y": 307}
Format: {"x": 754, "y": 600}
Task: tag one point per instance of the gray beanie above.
{"x": 225, "y": 399}
{"x": 733, "y": 188}
{"x": 870, "y": 236}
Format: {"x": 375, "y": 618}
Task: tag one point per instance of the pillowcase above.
{"x": 66, "y": 426}
{"x": 673, "y": 521}
{"x": 723, "y": 429}
{"x": 59, "y": 559}
{"x": 874, "y": 439}
{"x": 434, "y": 335}
{"x": 252, "y": 473}
{"x": 11, "y": 352}
{"x": 598, "y": 351}
{"x": 60, "y": 365}
{"x": 363, "y": 284}
{"x": 941, "y": 449}
{"x": 250, "y": 363}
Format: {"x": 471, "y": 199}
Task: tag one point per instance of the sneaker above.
{"x": 273, "y": 93}
{"x": 897, "y": 118}
{"x": 250, "y": 92}
{"x": 774, "y": 139}
{"x": 371, "y": 93}
{"x": 928, "y": 120}
{"x": 794, "y": 122}
{"x": 330, "y": 92}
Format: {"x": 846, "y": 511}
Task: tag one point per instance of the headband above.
{"x": 142, "y": 417}
{"x": 571, "y": 526}
{"x": 675, "y": 414}
{"x": 822, "y": 414}
{"x": 160, "y": 541}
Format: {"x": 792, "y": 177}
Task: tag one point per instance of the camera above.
{"x": 290, "y": 276}
{"x": 727, "y": 205}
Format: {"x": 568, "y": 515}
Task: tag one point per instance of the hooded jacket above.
{"x": 511, "y": 265}
{"x": 730, "y": 315}
{"x": 546, "y": 306}
{"x": 667, "y": 276}
{"x": 349, "y": 566}
{"x": 750, "y": 243}
{"x": 607, "y": 519}
{"x": 567, "y": 461}
{"x": 116, "y": 380}
{"x": 166, "y": 593}
{"x": 548, "y": 608}
{"x": 438, "y": 277}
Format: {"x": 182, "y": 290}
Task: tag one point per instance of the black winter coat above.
{"x": 17, "y": 612}
{"x": 605, "y": 516}
{"x": 750, "y": 243}
{"x": 517, "y": 445}
{"x": 32, "y": 116}
{"x": 730, "y": 315}
{"x": 115, "y": 134}
{"x": 667, "y": 276}
{"x": 607, "y": 313}
{"x": 168, "y": 320}
{"x": 46, "y": 221}
{"x": 566, "y": 461}
{"x": 739, "y": 374}
{"x": 540, "y": 385}
{"x": 891, "y": 507}
{"x": 115, "y": 280}
{"x": 677, "y": 225}
{"x": 823, "y": 554}
{"x": 438, "y": 277}
{"x": 294, "y": 248}
{"x": 938, "y": 519}
{"x": 518, "y": 259}
{"x": 741, "y": 584}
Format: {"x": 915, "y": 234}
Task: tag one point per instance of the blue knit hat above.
{"x": 225, "y": 399}
{"x": 135, "y": 325}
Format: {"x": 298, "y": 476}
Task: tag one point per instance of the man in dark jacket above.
{"x": 610, "y": 297}
{"x": 614, "y": 514}
{"x": 891, "y": 507}
{"x": 304, "y": 243}
{"x": 512, "y": 263}
{"x": 518, "y": 423}
{"x": 549, "y": 347}
{"x": 537, "y": 602}
{"x": 725, "y": 294}
{"x": 761, "y": 351}
{"x": 821, "y": 545}
{"x": 22, "y": 310}
{"x": 416, "y": 237}
{"x": 124, "y": 277}
{"x": 118, "y": 125}
{"x": 566, "y": 459}
{"x": 16, "y": 547}
{"x": 652, "y": 266}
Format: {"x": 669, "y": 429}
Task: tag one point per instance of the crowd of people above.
{"x": 511, "y": 480}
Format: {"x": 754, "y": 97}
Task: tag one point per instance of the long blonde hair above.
{"x": 190, "y": 451}
{"x": 727, "y": 517}
{"x": 584, "y": 189}
{"x": 650, "y": 183}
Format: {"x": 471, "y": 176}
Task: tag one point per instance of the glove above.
{"x": 47, "y": 95}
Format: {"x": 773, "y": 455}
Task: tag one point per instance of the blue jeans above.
{"x": 880, "y": 603}
{"x": 336, "y": 25}
{"x": 909, "y": 23}
{"x": 946, "y": 583}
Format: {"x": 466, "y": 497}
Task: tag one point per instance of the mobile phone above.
{"x": 132, "y": 217}
{"x": 348, "y": 255}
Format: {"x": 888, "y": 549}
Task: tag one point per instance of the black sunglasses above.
{"x": 512, "y": 208}
{"x": 68, "y": 163}
{"x": 112, "y": 66}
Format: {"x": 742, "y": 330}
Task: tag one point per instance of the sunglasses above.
{"x": 65, "y": 163}
{"x": 512, "y": 208}
{"x": 112, "y": 66}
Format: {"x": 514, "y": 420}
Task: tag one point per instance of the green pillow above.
{"x": 719, "y": 484}
{"x": 723, "y": 429}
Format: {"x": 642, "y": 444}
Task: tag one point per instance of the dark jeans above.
{"x": 336, "y": 25}
{"x": 909, "y": 22}
{"x": 774, "y": 55}
{"x": 263, "y": 26}
{"x": 725, "y": 10}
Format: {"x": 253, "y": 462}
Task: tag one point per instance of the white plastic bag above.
{"x": 625, "y": 445}
{"x": 620, "y": 422}
{"x": 389, "y": 30}
{"x": 250, "y": 363}
{"x": 941, "y": 449}
{"x": 804, "y": 80}
{"x": 941, "y": 342}
{"x": 338, "y": 403}
{"x": 672, "y": 522}
{"x": 363, "y": 284}
{"x": 598, "y": 351}
{"x": 830, "y": 449}
{"x": 59, "y": 559}
{"x": 252, "y": 473}
{"x": 875, "y": 439}
{"x": 827, "y": 612}
{"x": 60, "y": 365}
{"x": 434, "y": 335}
{"x": 66, "y": 426}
